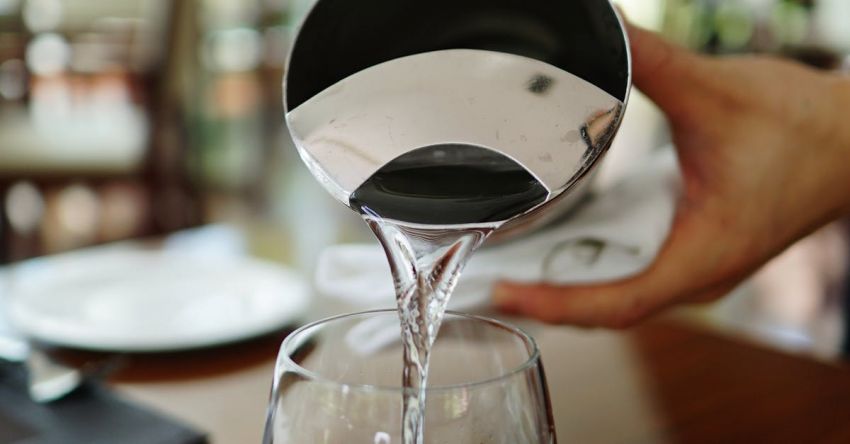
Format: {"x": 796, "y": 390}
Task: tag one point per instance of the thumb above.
{"x": 662, "y": 70}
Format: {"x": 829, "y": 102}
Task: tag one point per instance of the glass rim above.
{"x": 294, "y": 367}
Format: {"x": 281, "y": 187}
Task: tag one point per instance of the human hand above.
{"x": 764, "y": 150}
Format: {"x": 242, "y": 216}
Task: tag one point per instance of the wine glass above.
{"x": 339, "y": 381}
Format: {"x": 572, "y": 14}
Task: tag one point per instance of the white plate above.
{"x": 147, "y": 301}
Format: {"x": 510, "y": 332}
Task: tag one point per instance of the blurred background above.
{"x": 134, "y": 118}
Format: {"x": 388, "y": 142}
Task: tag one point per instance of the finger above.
{"x": 712, "y": 294}
{"x": 550, "y": 304}
{"x": 539, "y": 304}
{"x": 582, "y": 306}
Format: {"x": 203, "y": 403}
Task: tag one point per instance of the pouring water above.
{"x": 439, "y": 149}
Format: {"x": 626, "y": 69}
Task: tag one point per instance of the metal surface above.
{"x": 47, "y": 379}
{"x": 543, "y": 83}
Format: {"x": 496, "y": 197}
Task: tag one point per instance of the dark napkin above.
{"x": 90, "y": 415}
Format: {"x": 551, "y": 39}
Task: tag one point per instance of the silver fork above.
{"x": 47, "y": 379}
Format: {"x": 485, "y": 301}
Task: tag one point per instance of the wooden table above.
{"x": 665, "y": 381}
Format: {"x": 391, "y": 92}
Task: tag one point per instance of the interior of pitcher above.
{"x": 585, "y": 38}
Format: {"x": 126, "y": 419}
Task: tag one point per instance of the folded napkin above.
{"x": 614, "y": 235}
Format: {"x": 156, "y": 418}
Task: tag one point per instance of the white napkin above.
{"x": 615, "y": 235}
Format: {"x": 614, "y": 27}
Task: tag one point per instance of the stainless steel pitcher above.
{"x": 541, "y": 83}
